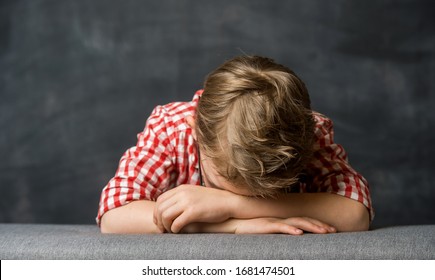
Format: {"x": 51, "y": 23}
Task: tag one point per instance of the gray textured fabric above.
{"x": 36, "y": 241}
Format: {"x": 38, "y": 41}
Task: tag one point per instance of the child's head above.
{"x": 255, "y": 124}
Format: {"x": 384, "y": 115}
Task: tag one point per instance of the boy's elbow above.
{"x": 116, "y": 221}
{"x": 351, "y": 216}
{"x": 109, "y": 224}
{"x": 105, "y": 226}
{"x": 358, "y": 218}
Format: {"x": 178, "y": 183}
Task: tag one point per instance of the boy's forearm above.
{"x": 135, "y": 217}
{"x": 343, "y": 213}
{"x": 228, "y": 226}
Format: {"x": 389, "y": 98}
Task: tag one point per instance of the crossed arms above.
{"x": 190, "y": 208}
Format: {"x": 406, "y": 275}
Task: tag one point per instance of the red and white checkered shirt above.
{"x": 165, "y": 157}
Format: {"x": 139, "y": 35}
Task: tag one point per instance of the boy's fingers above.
{"x": 166, "y": 195}
{"x": 279, "y": 227}
{"x": 179, "y": 222}
{"x": 329, "y": 228}
{"x": 163, "y": 212}
{"x": 168, "y": 217}
{"x": 307, "y": 225}
{"x": 276, "y": 226}
{"x": 157, "y": 221}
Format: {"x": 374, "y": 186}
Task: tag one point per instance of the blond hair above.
{"x": 255, "y": 123}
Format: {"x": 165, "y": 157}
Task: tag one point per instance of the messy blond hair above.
{"x": 255, "y": 123}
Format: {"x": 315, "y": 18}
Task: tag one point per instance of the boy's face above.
{"x": 212, "y": 179}
{"x": 210, "y": 176}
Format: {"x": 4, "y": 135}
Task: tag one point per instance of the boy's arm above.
{"x": 341, "y": 212}
{"x": 137, "y": 217}
{"x": 188, "y": 204}
{"x": 134, "y": 217}
{"x": 293, "y": 226}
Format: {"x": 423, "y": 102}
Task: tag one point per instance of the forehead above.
{"x": 215, "y": 180}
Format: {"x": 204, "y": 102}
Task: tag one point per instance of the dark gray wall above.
{"x": 79, "y": 78}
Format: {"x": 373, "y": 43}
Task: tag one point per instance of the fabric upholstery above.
{"x": 38, "y": 241}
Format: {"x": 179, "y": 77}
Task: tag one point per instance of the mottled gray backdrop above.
{"x": 79, "y": 78}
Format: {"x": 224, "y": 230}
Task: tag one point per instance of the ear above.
{"x": 191, "y": 122}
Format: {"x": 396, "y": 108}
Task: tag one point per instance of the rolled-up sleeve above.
{"x": 330, "y": 170}
{"x": 144, "y": 170}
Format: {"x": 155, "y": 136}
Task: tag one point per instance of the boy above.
{"x": 246, "y": 155}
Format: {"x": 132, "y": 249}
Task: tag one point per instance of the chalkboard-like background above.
{"x": 79, "y": 78}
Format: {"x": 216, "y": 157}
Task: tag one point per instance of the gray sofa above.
{"x": 79, "y": 78}
{"x": 21, "y": 241}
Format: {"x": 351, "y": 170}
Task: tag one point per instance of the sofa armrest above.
{"x": 39, "y": 241}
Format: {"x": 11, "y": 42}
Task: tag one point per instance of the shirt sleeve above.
{"x": 144, "y": 171}
{"x": 330, "y": 170}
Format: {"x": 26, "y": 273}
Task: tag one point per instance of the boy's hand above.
{"x": 293, "y": 226}
{"x": 186, "y": 204}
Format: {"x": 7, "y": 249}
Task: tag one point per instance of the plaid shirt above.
{"x": 165, "y": 157}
